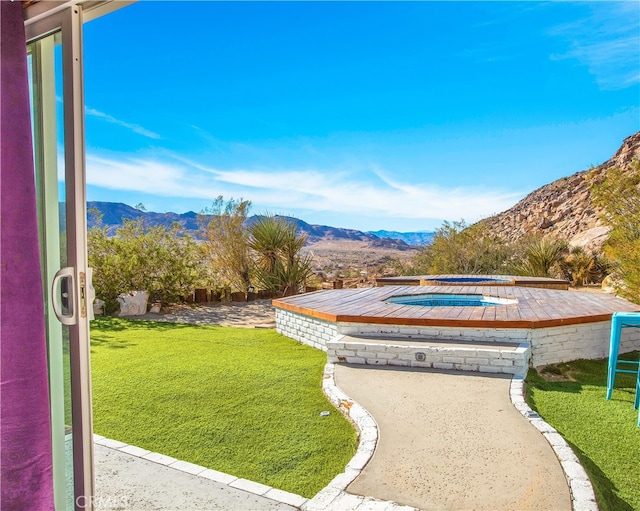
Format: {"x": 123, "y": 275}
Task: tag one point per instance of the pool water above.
{"x": 450, "y": 300}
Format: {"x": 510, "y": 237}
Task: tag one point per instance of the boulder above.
{"x": 133, "y": 303}
{"x": 98, "y": 307}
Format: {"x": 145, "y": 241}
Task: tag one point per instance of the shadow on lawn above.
{"x": 570, "y": 378}
{"x": 103, "y": 328}
{"x": 113, "y": 343}
{"x": 109, "y": 324}
{"x": 605, "y": 490}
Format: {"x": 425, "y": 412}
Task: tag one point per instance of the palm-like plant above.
{"x": 279, "y": 264}
{"x": 541, "y": 258}
{"x": 579, "y": 266}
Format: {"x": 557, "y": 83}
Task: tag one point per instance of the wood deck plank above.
{"x": 537, "y": 307}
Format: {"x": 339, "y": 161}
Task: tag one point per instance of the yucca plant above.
{"x": 542, "y": 258}
{"x": 579, "y": 266}
{"x": 279, "y": 264}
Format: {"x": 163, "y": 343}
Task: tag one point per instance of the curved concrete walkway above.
{"x": 454, "y": 441}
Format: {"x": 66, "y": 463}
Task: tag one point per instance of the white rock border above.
{"x": 582, "y": 495}
{"x": 334, "y": 496}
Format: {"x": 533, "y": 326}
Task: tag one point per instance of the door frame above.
{"x": 67, "y": 17}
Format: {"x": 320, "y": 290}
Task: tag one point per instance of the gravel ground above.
{"x": 254, "y": 314}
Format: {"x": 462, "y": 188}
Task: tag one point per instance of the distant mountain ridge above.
{"x": 410, "y": 238}
{"x": 113, "y": 213}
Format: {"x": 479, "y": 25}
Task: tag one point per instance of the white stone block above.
{"x": 250, "y": 486}
{"x": 113, "y": 444}
{"x": 347, "y": 502}
{"x": 219, "y": 477}
{"x": 501, "y": 362}
{"x": 189, "y": 468}
{"x": 476, "y": 361}
{"x": 162, "y": 459}
{"x": 135, "y": 451}
{"x": 582, "y": 490}
{"x": 397, "y": 362}
{"x": 574, "y": 470}
{"x": 387, "y": 355}
{"x": 466, "y": 367}
{"x": 359, "y": 461}
{"x": 585, "y": 505}
{"x": 322, "y": 500}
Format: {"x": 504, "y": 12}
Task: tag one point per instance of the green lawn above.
{"x": 604, "y": 434}
{"x": 243, "y": 401}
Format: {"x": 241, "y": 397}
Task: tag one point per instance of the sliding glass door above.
{"x": 55, "y": 68}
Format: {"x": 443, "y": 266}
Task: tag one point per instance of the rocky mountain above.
{"x": 563, "y": 209}
{"x": 112, "y": 214}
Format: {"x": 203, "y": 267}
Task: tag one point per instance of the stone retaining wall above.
{"x": 548, "y": 345}
{"x": 587, "y": 340}
{"x": 482, "y": 359}
{"x": 306, "y": 329}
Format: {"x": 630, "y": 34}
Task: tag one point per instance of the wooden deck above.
{"x": 506, "y": 280}
{"x": 536, "y": 308}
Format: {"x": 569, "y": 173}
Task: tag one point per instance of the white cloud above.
{"x": 133, "y": 127}
{"x": 329, "y": 190}
{"x": 607, "y": 42}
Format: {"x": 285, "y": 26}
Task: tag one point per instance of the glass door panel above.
{"x": 58, "y": 253}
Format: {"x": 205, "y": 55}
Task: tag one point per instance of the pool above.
{"x": 450, "y": 300}
{"x": 499, "y": 328}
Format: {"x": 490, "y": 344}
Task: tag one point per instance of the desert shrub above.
{"x": 540, "y": 257}
{"x": 617, "y": 195}
{"x": 459, "y": 248}
{"x": 579, "y": 266}
{"x": 163, "y": 261}
{"x": 226, "y": 243}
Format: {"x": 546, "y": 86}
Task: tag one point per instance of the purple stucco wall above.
{"x": 25, "y": 437}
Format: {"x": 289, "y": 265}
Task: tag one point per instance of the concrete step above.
{"x": 480, "y": 356}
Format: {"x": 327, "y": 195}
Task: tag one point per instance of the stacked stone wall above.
{"x": 548, "y": 345}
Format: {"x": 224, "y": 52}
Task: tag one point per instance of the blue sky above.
{"x": 362, "y": 115}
